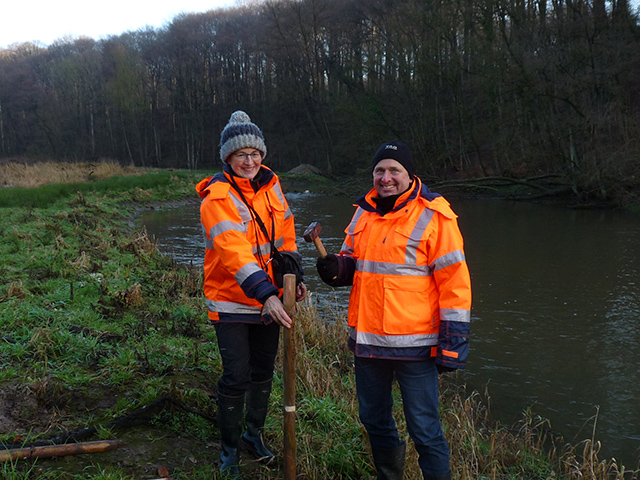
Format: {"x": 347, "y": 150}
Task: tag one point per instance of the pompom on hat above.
{"x": 240, "y": 133}
{"x": 397, "y": 151}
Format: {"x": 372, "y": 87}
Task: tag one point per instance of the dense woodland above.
{"x": 477, "y": 88}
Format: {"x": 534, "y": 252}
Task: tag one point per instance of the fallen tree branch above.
{"x": 139, "y": 416}
{"x": 513, "y": 188}
{"x": 59, "y": 450}
{"x": 533, "y": 182}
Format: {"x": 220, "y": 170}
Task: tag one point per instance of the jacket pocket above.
{"x": 407, "y": 309}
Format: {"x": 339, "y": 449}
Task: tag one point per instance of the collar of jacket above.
{"x": 266, "y": 175}
{"x": 225, "y": 177}
{"x": 417, "y": 189}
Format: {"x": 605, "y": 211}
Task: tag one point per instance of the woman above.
{"x": 244, "y": 216}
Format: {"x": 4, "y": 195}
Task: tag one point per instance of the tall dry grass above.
{"x": 25, "y": 175}
{"x": 481, "y": 447}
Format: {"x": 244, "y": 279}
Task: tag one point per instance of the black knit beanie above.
{"x": 397, "y": 151}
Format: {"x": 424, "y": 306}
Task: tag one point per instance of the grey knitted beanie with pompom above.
{"x": 240, "y": 133}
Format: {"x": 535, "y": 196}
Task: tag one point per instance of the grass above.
{"x": 30, "y": 175}
{"x": 97, "y": 325}
{"x": 135, "y": 188}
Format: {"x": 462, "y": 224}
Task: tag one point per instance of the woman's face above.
{"x": 390, "y": 178}
{"x": 245, "y": 162}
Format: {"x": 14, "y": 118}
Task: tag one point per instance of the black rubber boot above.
{"x": 257, "y": 406}
{"x": 426, "y": 476}
{"x": 389, "y": 462}
{"x": 230, "y": 410}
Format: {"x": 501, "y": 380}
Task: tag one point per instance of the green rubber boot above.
{"x": 230, "y": 411}
{"x": 257, "y": 407}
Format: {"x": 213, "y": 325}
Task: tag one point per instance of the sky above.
{"x": 48, "y": 20}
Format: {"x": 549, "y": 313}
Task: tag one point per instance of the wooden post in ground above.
{"x": 290, "y": 380}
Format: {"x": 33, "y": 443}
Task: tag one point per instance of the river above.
{"x": 556, "y": 307}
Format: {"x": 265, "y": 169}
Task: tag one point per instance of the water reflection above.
{"x": 555, "y": 311}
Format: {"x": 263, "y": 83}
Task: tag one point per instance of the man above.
{"x": 409, "y": 309}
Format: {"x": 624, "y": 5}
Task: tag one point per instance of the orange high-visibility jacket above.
{"x": 237, "y": 272}
{"x": 411, "y": 294}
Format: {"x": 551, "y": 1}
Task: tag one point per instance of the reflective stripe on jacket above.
{"x": 237, "y": 271}
{"x": 411, "y": 294}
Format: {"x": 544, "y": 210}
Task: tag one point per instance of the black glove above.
{"x": 328, "y": 268}
{"x": 442, "y": 369}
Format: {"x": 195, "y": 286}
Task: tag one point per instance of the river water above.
{"x": 556, "y": 307}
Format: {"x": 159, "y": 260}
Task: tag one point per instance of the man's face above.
{"x": 390, "y": 178}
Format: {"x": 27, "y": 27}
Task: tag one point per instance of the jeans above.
{"x": 248, "y": 353}
{"x": 418, "y": 382}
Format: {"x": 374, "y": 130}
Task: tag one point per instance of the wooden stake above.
{"x": 290, "y": 380}
{"x": 49, "y": 451}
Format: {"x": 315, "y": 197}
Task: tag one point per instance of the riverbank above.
{"x": 544, "y": 189}
{"x": 97, "y": 324}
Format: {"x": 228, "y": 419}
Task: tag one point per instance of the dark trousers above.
{"x": 418, "y": 382}
{"x": 248, "y": 353}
